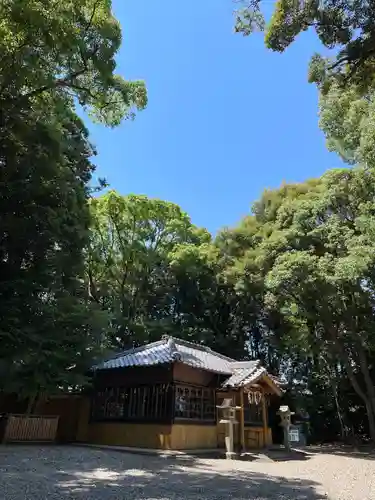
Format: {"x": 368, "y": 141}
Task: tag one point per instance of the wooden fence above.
{"x": 29, "y": 428}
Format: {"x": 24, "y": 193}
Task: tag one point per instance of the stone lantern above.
{"x": 229, "y": 419}
{"x": 285, "y": 415}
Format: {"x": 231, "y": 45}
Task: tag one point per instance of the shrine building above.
{"x": 165, "y": 395}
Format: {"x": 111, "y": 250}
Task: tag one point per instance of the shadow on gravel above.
{"x": 271, "y": 455}
{"x": 365, "y": 452}
{"x": 283, "y": 456}
{"x": 79, "y": 473}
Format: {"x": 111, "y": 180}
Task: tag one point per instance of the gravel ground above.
{"x": 52, "y": 472}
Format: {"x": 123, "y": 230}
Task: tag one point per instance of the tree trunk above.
{"x": 367, "y": 401}
{"x": 31, "y": 403}
{"x": 366, "y": 398}
{"x": 371, "y": 420}
{"x": 338, "y": 410}
{"x": 367, "y": 376}
{"x": 332, "y": 375}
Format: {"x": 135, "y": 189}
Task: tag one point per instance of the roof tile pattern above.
{"x": 244, "y": 376}
{"x": 168, "y": 351}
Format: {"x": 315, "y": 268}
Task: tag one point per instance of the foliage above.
{"x": 345, "y": 26}
{"x": 156, "y": 273}
{"x": 345, "y": 78}
{"x": 317, "y": 246}
{"x": 68, "y": 48}
{"x": 44, "y": 225}
{"x": 52, "y": 56}
{"x": 131, "y": 244}
{"x": 347, "y": 119}
{"x": 314, "y": 251}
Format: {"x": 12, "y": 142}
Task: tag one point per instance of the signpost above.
{"x": 294, "y": 435}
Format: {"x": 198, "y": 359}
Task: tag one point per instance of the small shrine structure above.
{"x": 165, "y": 395}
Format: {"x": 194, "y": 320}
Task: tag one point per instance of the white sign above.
{"x": 294, "y": 435}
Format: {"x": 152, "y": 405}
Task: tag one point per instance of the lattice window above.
{"x": 195, "y": 403}
{"x": 253, "y": 412}
{"x": 133, "y": 403}
{"x": 115, "y": 403}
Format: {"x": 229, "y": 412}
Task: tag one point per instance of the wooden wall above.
{"x": 67, "y": 408}
{"x": 156, "y": 436}
{"x": 133, "y": 376}
{"x": 168, "y": 437}
{"x": 177, "y": 372}
{"x": 11, "y": 403}
{"x": 178, "y": 436}
{"x": 190, "y": 437}
{"x": 138, "y": 435}
{"x": 254, "y": 437}
{"x": 83, "y": 420}
{"x": 188, "y": 375}
{"x": 148, "y": 435}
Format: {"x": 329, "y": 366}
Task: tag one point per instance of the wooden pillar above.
{"x": 264, "y": 418}
{"x": 242, "y": 419}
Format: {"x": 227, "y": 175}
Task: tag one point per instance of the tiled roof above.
{"x": 169, "y": 350}
{"x": 244, "y": 373}
{"x": 249, "y": 372}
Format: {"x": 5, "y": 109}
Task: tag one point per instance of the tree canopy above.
{"x": 347, "y": 27}
{"x": 68, "y": 49}
{"x": 310, "y": 247}
{"x": 53, "y": 57}
{"x": 132, "y": 242}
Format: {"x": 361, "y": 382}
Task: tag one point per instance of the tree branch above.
{"x": 61, "y": 82}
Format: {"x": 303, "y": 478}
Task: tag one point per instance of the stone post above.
{"x": 285, "y": 415}
{"x": 229, "y": 419}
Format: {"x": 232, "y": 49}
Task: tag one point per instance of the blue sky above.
{"x": 226, "y": 117}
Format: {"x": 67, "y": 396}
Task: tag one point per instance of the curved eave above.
{"x": 249, "y": 382}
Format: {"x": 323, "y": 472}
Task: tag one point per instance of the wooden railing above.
{"x": 30, "y": 428}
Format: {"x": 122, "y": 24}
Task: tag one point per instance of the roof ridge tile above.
{"x": 168, "y": 350}
{"x": 134, "y": 350}
{"x": 201, "y": 347}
